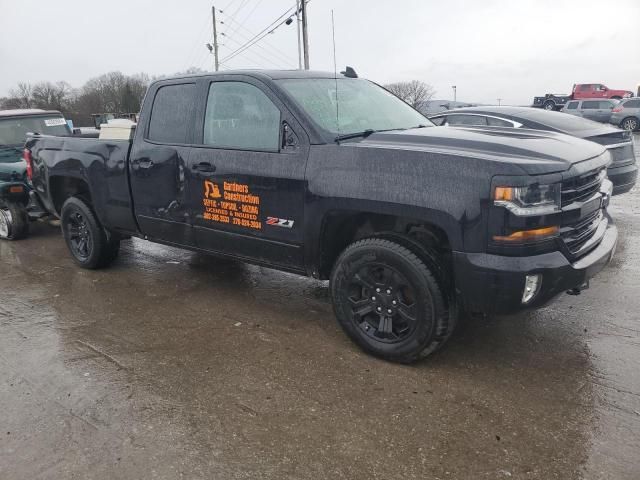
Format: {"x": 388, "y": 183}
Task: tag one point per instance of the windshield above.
{"x": 13, "y": 131}
{"x": 362, "y": 105}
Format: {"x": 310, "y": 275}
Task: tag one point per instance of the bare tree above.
{"x": 19, "y": 97}
{"x": 52, "y": 96}
{"x": 416, "y": 92}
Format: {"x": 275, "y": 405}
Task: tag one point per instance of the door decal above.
{"x": 233, "y": 204}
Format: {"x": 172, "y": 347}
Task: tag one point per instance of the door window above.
{"x": 172, "y": 113}
{"x": 239, "y": 115}
{"x": 438, "y": 120}
{"x": 632, "y": 104}
{"x": 591, "y": 105}
{"x": 466, "y": 120}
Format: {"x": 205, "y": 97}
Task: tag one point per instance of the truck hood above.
{"x": 534, "y": 151}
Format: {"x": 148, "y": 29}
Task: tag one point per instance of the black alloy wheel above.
{"x": 80, "y": 241}
{"x": 383, "y": 303}
{"x": 389, "y": 301}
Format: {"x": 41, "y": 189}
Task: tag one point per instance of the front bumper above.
{"x": 623, "y": 178}
{"x": 494, "y": 284}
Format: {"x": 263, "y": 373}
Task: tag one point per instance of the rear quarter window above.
{"x": 172, "y": 114}
{"x": 632, "y": 104}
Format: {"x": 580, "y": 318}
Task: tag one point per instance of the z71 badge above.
{"x": 279, "y": 222}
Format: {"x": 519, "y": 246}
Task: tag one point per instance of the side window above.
{"x": 572, "y": 105}
{"x": 466, "y": 120}
{"x": 240, "y": 115}
{"x": 585, "y": 88}
{"x": 438, "y": 120}
{"x": 632, "y": 104}
{"x": 606, "y": 106}
{"x": 590, "y": 105}
{"x": 497, "y": 122}
{"x": 171, "y": 113}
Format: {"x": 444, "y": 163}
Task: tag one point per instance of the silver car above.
{"x": 626, "y": 114}
{"x": 596, "y": 109}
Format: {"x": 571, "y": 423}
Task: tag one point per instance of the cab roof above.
{"x": 264, "y": 74}
{"x": 19, "y": 112}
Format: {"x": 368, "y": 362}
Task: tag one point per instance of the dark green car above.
{"x": 16, "y": 206}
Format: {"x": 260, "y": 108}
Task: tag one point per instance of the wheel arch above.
{"x": 427, "y": 234}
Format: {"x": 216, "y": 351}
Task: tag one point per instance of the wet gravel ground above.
{"x": 175, "y": 365}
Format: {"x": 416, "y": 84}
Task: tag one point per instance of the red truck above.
{"x": 554, "y": 101}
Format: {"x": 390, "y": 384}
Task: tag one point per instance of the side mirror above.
{"x": 77, "y": 131}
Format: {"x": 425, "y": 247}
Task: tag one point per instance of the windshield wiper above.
{"x": 363, "y": 134}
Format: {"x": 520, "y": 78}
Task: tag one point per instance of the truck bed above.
{"x": 102, "y": 164}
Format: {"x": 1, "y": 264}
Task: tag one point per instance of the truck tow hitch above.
{"x": 578, "y": 290}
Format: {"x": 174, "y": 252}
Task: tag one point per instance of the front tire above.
{"x": 630, "y": 123}
{"x": 89, "y": 244}
{"x": 389, "y": 301}
{"x": 549, "y": 105}
{"x": 14, "y": 222}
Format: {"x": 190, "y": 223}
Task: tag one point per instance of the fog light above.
{"x": 531, "y": 287}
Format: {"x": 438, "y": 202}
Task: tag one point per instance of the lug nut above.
{"x": 377, "y": 290}
{"x": 379, "y": 309}
{"x": 393, "y": 302}
{"x": 373, "y": 299}
{"x": 389, "y": 311}
{"x": 388, "y": 291}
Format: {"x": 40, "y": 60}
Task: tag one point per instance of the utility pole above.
{"x": 499, "y": 101}
{"x": 454, "y": 92}
{"x": 215, "y": 39}
{"x": 299, "y": 40}
{"x": 305, "y": 38}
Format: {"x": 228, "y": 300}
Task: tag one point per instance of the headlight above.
{"x": 529, "y": 200}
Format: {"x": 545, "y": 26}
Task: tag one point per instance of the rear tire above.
{"x": 389, "y": 301}
{"x": 630, "y": 123}
{"x": 14, "y": 221}
{"x": 89, "y": 244}
{"x": 549, "y": 105}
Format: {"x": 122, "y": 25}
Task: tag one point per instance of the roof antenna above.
{"x": 335, "y": 72}
{"x": 349, "y": 72}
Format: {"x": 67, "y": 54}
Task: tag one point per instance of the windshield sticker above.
{"x": 54, "y": 122}
{"x": 231, "y": 203}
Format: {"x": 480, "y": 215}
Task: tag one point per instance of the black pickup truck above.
{"x": 337, "y": 179}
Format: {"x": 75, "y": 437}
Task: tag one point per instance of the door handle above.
{"x": 146, "y": 163}
{"x": 204, "y": 167}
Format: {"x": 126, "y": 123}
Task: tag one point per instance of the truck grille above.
{"x": 581, "y": 188}
{"x": 578, "y": 235}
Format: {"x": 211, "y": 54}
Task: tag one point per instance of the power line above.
{"x": 270, "y": 62}
{"x": 253, "y": 35}
{"x": 264, "y": 32}
{"x": 274, "y": 52}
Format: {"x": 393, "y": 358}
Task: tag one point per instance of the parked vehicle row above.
{"x": 622, "y": 171}
{"x": 337, "y": 179}
{"x": 555, "y": 101}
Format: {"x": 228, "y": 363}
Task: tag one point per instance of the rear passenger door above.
{"x": 247, "y": 173}
{"x": 158, "y": 162}
{"x": 590, "y": 109}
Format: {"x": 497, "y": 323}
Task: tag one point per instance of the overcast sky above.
{"x": 489, "y": 48}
